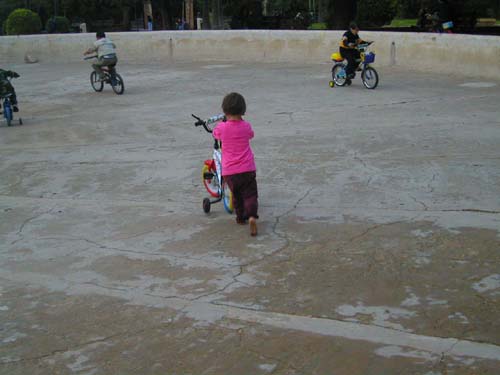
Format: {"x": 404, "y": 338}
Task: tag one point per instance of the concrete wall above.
{"x": 470, "y": 55}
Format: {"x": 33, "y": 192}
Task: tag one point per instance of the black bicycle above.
{"x": 111, "y": 77}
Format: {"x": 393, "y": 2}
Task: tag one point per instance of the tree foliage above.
{"x": 246, "y": 13}
{"x": 376, "y": 12}
{"x": 340, "y": 13}
{"x": 58, "y": 25}
{"x": 22, "y": 22}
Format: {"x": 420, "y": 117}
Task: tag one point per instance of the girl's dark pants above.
{"x": 244, "y": 189}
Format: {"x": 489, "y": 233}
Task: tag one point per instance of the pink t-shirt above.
{"x": 237, "y": 155}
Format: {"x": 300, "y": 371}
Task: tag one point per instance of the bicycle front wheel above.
{"x": 370, "y": 78}
{"x": 210, "y": 181}
{"x": 96, "y": 83}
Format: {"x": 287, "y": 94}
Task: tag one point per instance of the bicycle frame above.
{"x": 363, "y": 49}
{"x": 217, "y": 158}
{"x": 217, "y": 154}
{"x": 109, "y": 71}
{"x": 7, "y": 105}
{"x": 7, "y": 110}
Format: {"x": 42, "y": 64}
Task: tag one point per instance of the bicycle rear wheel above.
{"x": 228, "y": 198}
{"x": 338, "y": 74}
{"x": 117, "y": 84}
{"x": 96, "y": 83}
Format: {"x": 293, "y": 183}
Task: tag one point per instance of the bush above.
{"x": 61, "y": 25}
{"x": 376, "y": 12}
{"x": 22, "y": 22}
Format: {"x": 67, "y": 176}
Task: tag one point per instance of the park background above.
{"x": 62, "y": 16}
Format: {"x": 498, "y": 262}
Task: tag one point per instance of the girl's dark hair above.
{"x": 234, "y": 104}
{"x": 353, "y": 25}
{"x": 100, "y": 34}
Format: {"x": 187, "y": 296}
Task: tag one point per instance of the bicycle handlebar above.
{"x": 366, "y": 44}
{"x": 200, "y": 122}
{"x": 211, "y": 120}
{"x": 90, "y": 57}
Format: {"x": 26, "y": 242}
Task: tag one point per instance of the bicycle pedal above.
{"x": 208, "y": 176}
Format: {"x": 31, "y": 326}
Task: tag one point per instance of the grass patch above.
{"x": 403, "y": 22}
{"x": 318, "y": 26}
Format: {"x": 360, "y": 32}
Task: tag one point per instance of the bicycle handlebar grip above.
{"x": 215, "y": 118}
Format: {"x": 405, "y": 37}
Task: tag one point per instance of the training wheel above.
{"x": 206, "y": 205}
{"x": 332, "y": 84}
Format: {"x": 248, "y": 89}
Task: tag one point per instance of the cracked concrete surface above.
{"x": 378, "y": 246}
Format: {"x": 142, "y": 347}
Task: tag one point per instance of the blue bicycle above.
{"x": 369, "y": 75}
{"x": 8, "y": 111}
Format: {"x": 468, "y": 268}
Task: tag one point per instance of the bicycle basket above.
{"x": 369, "y": 58}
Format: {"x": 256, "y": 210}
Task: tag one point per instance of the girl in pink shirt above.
{"x": 238, "y": 164}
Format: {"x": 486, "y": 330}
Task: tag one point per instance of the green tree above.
{"x": 408, "y": 8}
{"x": 57, "y": 24}
{"x": 125, "y": 6}
{"x": 6, "y": 8}
{"x": 340, "y": 13}
{"x": 23, "y": 21}
{"x": 376, "y": 12}
{"x": 288, "y": 7}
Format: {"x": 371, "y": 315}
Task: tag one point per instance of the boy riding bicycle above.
{"x": 6, "y": 87}
{"x": 348, "y": 49}
{"x": 106, "y": 53}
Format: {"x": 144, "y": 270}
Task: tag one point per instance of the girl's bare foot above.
{"x": 253, "y": 226}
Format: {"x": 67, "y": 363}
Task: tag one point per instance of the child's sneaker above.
{"x": 253, "y": 226}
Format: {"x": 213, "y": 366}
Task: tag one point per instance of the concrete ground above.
{"x": 378, "y": 250}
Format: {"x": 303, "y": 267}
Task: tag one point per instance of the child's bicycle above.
{"x": 111, "y": 77}
{"x": 369, "y": 75}
{"x": 7, "y": 110}
{"x": 211, "y": 172}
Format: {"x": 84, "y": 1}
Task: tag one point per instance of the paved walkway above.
{"x": 378, "y": 247}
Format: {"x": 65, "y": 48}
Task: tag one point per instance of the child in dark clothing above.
{"x": 6, "y": 87}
